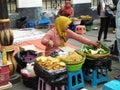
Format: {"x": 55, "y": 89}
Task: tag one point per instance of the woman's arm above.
{"x": 78, "y": 37}
{"x": 46, "y": 39}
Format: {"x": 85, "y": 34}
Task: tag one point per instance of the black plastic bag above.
{"x": 87, "y": 22}
{"x": 104, "y": 63}
{"x": 31, "y": 82}
{"x": 24, "y": 57}
{"x": 21, "y": 22}
{"x": 54, "y": 78}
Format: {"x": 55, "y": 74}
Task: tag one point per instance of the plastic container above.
{"x": 4, "y": 58}
{"x": 89, "y": 28}
{"x": 112, "y": 85}
{"x": 75, "y": 67}
{"x": 4, "y": 75}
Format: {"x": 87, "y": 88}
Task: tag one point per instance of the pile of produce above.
{"x": 50, "y": 63}
{"x": 85, "y": 17}
{"x": 101, "y": 52}
{"x": 72, "y": 58}
{"x": 51, "y": 70}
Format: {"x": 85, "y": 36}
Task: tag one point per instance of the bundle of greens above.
{"x": 91, "y": 52}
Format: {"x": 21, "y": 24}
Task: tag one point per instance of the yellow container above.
{"x": 4, "y": 57}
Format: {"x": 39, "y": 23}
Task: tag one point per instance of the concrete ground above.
{"x": 38, "y": 33}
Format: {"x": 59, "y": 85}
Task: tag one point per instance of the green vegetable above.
{"x": 105, "y": 47}
{"x": 90, "y": 50}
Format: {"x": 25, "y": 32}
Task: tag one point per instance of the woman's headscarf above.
{"x": 61, "y": 24}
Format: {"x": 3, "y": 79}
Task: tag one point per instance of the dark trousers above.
{"x": 104, "y": 24}
{"x": 112, "y": 22}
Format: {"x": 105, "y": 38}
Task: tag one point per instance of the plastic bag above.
{"x": 21, "y": 22}
{"x": 24, "y": 57}
{"x": 31, "y": 82}
{"x": 87, "y": 22}
{"x": 54, "y": 78}
{"x": 98, "y": 63}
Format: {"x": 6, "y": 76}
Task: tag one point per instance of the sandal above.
{"x": 105, "y": 40}
{"x": 117, "y": 77}
{"x": 114, "y": 31}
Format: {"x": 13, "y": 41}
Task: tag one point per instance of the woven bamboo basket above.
{"x": 98, "y": 56}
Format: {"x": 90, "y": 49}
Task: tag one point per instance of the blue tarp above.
{"x": 44, "y": 21}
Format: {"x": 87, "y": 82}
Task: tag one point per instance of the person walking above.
{"x": 113, "y": 19}
{"x": 118, "y": 28}
{"x": 105, "y": 20}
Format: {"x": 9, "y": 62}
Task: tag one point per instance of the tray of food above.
{"x": 72, "y": 58}
{"x": 92, "y": 53}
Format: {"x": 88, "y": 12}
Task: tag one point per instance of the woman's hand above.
{"x": 96, "y": 44}
{"x": 51, "y": 43}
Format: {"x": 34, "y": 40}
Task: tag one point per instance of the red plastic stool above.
{"x": 52, "y": 25}
{"x": 80, "y": 29}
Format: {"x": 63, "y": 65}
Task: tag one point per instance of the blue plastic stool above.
{"x": 30, "y": 24}
{"x": 112, "y": 85}
{"x": 96, "y": 76}
{"x": 75, "y": 80}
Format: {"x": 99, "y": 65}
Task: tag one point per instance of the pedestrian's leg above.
{"x": 102, "y": 27}
{"x": 107, "y": 20}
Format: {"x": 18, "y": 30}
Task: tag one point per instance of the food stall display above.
{"x": 93, "y": 53}
{"x": 73, "y": 60}
{"x": 51, "y": 70}
{"x": 76, "y": 21}
{"x": 87, "y": 21}
{"x": 50, "y": 63}
{"x": 85, "y": 17}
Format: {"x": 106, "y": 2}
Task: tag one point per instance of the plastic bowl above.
{"x": 74, "y": 67}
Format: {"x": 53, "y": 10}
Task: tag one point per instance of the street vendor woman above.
{"x": 66, "y": 10}
{"x": 57, "y": 36}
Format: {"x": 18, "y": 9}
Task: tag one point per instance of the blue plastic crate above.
{"x": 112, "y": 85}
